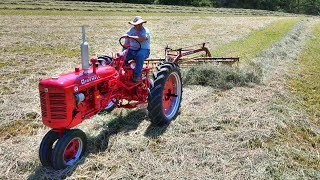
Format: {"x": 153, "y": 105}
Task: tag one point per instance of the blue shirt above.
{"x": 143, "y": 32}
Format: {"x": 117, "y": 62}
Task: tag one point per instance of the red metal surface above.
{"x": 168, "y": 92}
{"x": 71, "y": 150}
{"x": 101, "y": 84}
{"x": 177, "y": 54}
{"x": 57, "y": 95}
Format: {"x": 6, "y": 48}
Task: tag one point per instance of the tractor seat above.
{"x": 104, "y": 60}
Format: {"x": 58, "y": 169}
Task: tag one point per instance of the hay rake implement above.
{"x": 185, "y": 57}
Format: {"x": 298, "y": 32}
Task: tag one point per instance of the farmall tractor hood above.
{"x": 78, "y": 77}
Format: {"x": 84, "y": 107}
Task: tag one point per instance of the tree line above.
{"x": 311, "y": 7}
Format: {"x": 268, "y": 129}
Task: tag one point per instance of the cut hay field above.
{"x": 263, "y": 129}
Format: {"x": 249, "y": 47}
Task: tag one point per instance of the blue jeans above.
{"x": 138, "y": 56}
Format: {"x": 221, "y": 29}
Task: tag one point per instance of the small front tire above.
{"x": 69, "y": 149}
{"x": 46, "y": 147}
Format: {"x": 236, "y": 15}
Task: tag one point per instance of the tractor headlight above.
{"x": 79, "y": 97}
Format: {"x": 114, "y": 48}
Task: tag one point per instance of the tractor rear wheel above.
{"x": 46, "y": 147}
{"x": 165, "y": 95}
{"x": 69, "y": 149}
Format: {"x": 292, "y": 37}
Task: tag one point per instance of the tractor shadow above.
{"x": 99, "y": 143}
{"x": 50, "y": 173}
{"x": 120, "y": 124}
{"x": 155, "y": 131}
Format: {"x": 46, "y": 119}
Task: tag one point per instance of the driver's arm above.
{"x": 139, "y": 38}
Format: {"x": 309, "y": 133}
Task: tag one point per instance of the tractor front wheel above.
{"x": 165, "y": 96}
{"x": 69, "y": 149}
{"x": 46, "y": 147}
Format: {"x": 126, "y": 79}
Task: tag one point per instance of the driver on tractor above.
{"x": 142, "y": 35}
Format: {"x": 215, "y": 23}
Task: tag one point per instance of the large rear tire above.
{"x": 165, "y": 96}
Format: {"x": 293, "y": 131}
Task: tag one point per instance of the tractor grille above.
{"x": 43, "y": 104}
{"x": 58, "y": 107}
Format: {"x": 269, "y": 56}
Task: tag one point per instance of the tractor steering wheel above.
{"x": 125, "y": 45}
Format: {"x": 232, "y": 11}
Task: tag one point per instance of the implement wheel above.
{"x": 165, "y": 96}
{"x": 69, "y": 149}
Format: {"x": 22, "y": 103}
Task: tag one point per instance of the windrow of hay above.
{"x": 306, "y": 83}
{"x": 294, "y": 143}
{"x": 226, "y": 77}
{"x": 287, "y": 140}
{"x": 257, "y": 41}
{"x": 223, "y": 76}
{"x": 275, "y": 60}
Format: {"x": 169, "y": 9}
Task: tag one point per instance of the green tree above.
{"x": 291, "y": 6}
{"x": 312, "y": 7}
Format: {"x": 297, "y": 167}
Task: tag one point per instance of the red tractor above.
{"x": 70, "y": 98}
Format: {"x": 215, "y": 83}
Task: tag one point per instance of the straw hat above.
{"x": 137, "y": 20}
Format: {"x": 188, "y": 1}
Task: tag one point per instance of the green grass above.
{"x": 26, "y": 126}
{"x": 302, "y": 137}
{"x": 301, "y": 140}
{"x": 258, "y": 41}
{"x": 2, "y": 64}
{"x": 19, "y": 128}
{"x": 307, "y": 83}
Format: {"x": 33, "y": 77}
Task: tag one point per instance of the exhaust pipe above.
{"x": 84, "y": 52}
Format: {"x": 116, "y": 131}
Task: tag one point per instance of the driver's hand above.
{"x": 125, "y": 36}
